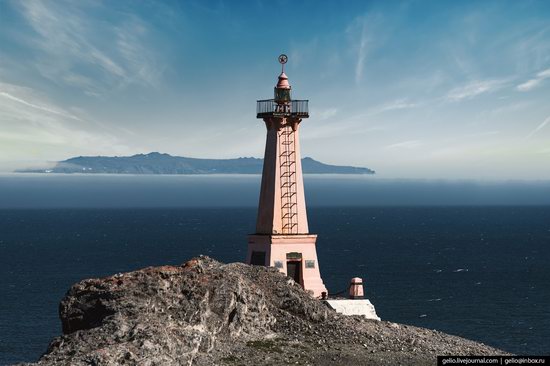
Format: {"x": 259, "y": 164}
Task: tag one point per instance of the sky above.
{"x": 411, "y": 89}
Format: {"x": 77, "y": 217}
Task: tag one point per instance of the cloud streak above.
{"x": 39, "y": 107}
{"x": 396, "y": 105}
{"x": 536, "y": 81}
{"x": 362, "y": 29}
{"x": 538, "y": 128}
{"x": 411, "y": 144}
{"x": 29, "y": 124}
{"x": 474, "y": 89}
{"x": 73, "y": 49}
{"x": 361, "y": 54}
{"x": 325, "y": 113}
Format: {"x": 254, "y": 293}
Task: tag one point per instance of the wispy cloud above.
{"x": 362, "y": 31}
{"x": 324, "y": 113}
{"x": 474, "y": 89}
{"x": 411, "y": 144}
{"x": 74, "y": 49}
{"x": 534, "y": 82}
{"x": 396, "y": 105}
{"x": 538, "y": 128}
{"x": 361, "y": 54}
{"x": 31, "y": 123}
{"x": 43, "y": 108}
{"x": 483, "y": 134}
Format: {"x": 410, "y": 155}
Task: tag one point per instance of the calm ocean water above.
{"x": 475, "y": 270}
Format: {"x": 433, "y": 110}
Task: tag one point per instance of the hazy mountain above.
{"x": 157, "y": 163}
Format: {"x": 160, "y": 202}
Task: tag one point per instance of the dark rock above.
{"x": 208, "y": 313}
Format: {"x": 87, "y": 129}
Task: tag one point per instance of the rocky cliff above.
{"x": 208, "y": 313}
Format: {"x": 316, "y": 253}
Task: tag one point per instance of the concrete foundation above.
{"x": 353, "y": 307}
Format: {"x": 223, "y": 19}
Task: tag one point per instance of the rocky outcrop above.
{"x": 208, "y": 313}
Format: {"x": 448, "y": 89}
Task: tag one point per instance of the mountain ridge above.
{"x": 162, "y": 163}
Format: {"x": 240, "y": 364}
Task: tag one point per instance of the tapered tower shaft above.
{"x": 282, "y": 207}
{"x": 282, "y": 237}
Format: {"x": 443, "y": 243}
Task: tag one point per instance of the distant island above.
{"x": 158, "y": 163}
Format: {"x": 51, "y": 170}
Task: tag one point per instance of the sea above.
{"x": 469, "y": 258}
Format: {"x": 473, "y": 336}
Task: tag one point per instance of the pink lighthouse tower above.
{"x": 282, "y": 238}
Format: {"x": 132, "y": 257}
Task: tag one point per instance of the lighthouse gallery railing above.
{"x": 268, "y": 108}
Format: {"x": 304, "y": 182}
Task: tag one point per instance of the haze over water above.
{"x": 57, "y": 190}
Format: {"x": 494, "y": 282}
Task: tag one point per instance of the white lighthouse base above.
{"x": 294, "y": 255}
{"x": 353, "y": 307}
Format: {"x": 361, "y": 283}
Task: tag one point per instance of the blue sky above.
{"x": 412, "y": 89}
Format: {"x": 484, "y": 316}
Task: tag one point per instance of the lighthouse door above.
{"x": 293, "y": 270}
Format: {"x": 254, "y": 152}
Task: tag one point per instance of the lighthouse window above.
{"x": 257, "y": 258}
{"x": 282, "y": 95}
{"x": 310, "y": 263}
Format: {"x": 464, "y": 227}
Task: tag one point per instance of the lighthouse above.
{"x": 282, "y": 239}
